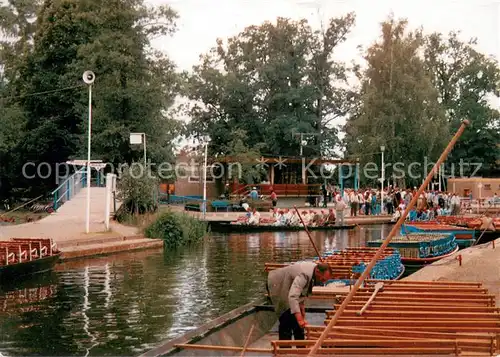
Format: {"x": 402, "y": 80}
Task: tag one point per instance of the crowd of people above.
{"x": 366, "y": 202}
{"x": 369, "y": 202}
{"x": 287, "y": 217}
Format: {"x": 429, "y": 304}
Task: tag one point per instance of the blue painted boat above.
{"x": 465, "y": 237}
{"x": 349, "y": 264}
{"x": 420, "y": 249}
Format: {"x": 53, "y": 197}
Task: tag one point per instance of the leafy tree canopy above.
{"x": 414, "y": 94}
{"x": 133, "y": 90}
{"x": 273, "y": 81}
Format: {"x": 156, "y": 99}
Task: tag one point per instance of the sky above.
{"x": 201, "y": 22}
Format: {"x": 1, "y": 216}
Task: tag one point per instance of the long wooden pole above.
{"x": 309, "y": 234}
{"x": 384, "y": 245}
{"x": 245, "y": 346}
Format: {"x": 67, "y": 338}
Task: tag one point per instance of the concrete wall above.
{"x": 489, "y": 186}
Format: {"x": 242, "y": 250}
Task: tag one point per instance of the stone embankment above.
{"x": 67, "y": 228}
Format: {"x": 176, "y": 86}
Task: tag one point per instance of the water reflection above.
{"x": 126, "y": 304}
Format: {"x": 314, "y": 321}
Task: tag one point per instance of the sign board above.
{"x": 136, "y": 138}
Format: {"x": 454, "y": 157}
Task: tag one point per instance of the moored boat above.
{"x": 404, "y": 318}
{"x": 465, "y": 237}
{"x": 347, "y": 265}
{"x": 420, "y": 249}
{"x": 21, "y": 257}
{"x": 230, "y": 227}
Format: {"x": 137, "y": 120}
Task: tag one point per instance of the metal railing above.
{"x": 69, "y": 188}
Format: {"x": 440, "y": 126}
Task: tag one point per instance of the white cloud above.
{"x": 201, "y": 21}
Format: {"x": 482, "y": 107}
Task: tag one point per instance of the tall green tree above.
{"x": 273, "y": 81}
{"x": 133, "y": 90}
{"x": 16, "y": 35}
{"x": 467, "y": 82}
{"x": 398, "y": 105}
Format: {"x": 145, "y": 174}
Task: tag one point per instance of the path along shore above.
{"x": 480, "y": 263}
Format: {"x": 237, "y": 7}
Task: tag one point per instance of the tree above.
{"x": 244, "y": 157}
{"x": 272, "y": 81}
{"x": 136, "y": 191}
{"x": 16, "y": 30}
{"x": 467, "y": 82}
{"x": 133, "y": 90}
{"x": 397, "y": 105}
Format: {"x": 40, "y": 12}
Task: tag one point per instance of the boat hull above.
{"x": 233, "y": 328}
{"x": 27, "y": 268}
{"x": 464, "y": 237}
{"x": 414, "y": 264}
{"x": 224, "y": 227}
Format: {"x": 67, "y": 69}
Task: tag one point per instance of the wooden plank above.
{"x": 422, "y": 314}
{"x": 416, "y": 282}
{"x": 380, "y": 305}
{"x": 223, "y": 348}
{"x": 374, "y": 351}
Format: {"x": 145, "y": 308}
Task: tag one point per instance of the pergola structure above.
{"x": 290, "y": 174}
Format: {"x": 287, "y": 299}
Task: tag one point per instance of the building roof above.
{"x": 473, "y": 179}
{"x": 286, "y": 159}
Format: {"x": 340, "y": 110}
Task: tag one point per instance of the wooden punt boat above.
{"x": 465, "y": 237}
{"x": 229, "y": 332}
{"x": 404, "y": 318}
{"x": 420, "y": 249}
{"x": 229, "y": 227}
{"x": 21, "y": 257}
{"x": 347, "y": 265}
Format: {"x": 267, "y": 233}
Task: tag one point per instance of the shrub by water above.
{"x": 176, "y": 229}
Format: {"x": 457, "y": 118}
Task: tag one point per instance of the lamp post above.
{"x": 205, "y": 178}
{"x": 480, "y": 196}
{"x": 89, "y": 78}
{"x": 357, "y": 179}
{"x": 382, "y": 148}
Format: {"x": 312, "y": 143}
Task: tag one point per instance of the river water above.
{"x": 125, "y": 304}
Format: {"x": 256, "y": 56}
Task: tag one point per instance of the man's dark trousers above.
{"x": 289, "y": 326}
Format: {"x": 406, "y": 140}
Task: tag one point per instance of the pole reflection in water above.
{"x": 107, "y": 286}
{"x": 85, "y": 308}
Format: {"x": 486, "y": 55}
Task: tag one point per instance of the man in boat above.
{"x": 282, "y": 221}
{"x": 254, "y": 218}
{"x": 288, "y": 216}
{"x": 295, "y": 220}
{"x": 309, "y": 218}
{"x": 305, "y": 217}
{"x": 339, "y": 208}
{"x": 316, "y": 219}
{"x": 330, "y": 219}
{"x": 287, "y": 288}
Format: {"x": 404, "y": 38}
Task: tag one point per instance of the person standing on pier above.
{"x": 287, "y": 288}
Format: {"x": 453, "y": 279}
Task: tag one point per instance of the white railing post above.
{"x": 109, "y": 190}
